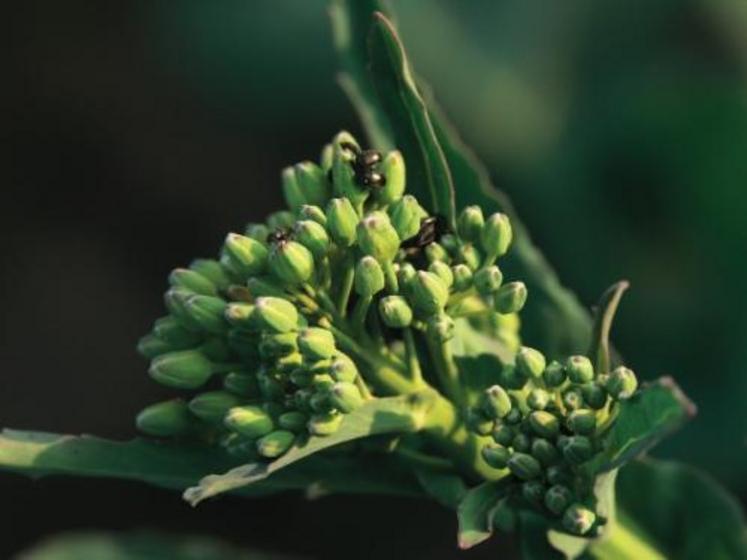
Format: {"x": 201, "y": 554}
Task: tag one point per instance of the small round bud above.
{"x": 622, "y": 383}
{"x": 239, "y": 314}
{"x": 275, "y": 443}
{"x": 242, "y": 384}
{"x": 345, "y": 396}
{"x": 393, "y": 169}
{"x": 510, "y": 298}
{"x": 559, "y": 474}
{"x": 406, "y": 276}
{"x": 291, "y": 262}
{"x": 369, "y": 277}
{"x": 207, "y": 312}
{"x": 573, "y": 399}
{"x": 470, "y": 223}
{"x": 512, "y": 378}
{"x": 213, "y": 405}
{"x": 250, "y": 421}
{"x": 187, "y": 369}
{"x": 496, "y": 236}
{"x": 293, "y": 421}
{"x": 544, "y": 423}
{"x": 344, "y": 180}
{"x": 545, "y": 452}
{"x": 406, "y": 215}
{"x": 377, "y": 237}
{"x": 451, "y": 243}
{"x": 312, "y": 213}
{"x": 395, "y": 312}
{"x": 243, "y": 255}
{"x": 496, "y": 402}
{"x": 558, "y": 498}
{"x": 488, "y": 280}
{"x": 276, "y": 345}
{"x": 342, "y": 368}
{"x": 324, "y": 424}
{"x": 316, "y": 343}
{"x": 595, "y": 396}
{"x": 554, "y": 374}
{"x": 430, "y": 294}
{"x": 478, "y": 423}
{"x": 312, "y": 181}
{"x": 503, "y": 434}
{"x": 513, "y": 417}
{"x": 342, "y": 221}
{"x": 213, "y": 271}
{"x": 280, "y": 220}
{"x": 578, "y": 519}
{"x": 443, "y": 271}
{"x": 530, "y": 362}
{"x": 579, "y": 369}
{"x": 313, "y": 236}
{"x": 264, "y": 286}
{"x": 524, "y": 466}
{"x": 151, "y": 346}
{"x": 258, "y": 232}
{"x": 577, "y": 450}
{"x": 533, "y": 492}
{"x": 538, "y": 399}
{"x": 470, "y": 256}
{"x": 582, "y": 421}
{"x": 522, "y": 443}
{"x": 440, "y": 327}
{"x": 325, "y": 158}
{"x": 435, "y": 252}
{"x": 462, "y": 277}
{"x": 275, "y": 314}
{"x": 174, "y": 334}
{"x": 192, "y": 281}
{"x": 292, "y": 194}
{"x": 165, "y": 419}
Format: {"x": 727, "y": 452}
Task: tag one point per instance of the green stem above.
{"x": 623, "y": 543}
{"x": 359, "y": 314}
{"x": 392, "y": 283}
{"x": 446, "y": 370}
{"x": 346, "y": 286}
{"x": 413, "y": 364}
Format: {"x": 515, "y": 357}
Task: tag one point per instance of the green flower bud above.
{"x": 559, "y": 474}
{"x": 622, "y": 383}
{"x": 558, "y": 498}
{"x": 258, "y": 232}
{"x": 151, "y": 346}
{"x": 522, "y": 443}
{"x": 369, "y": 277}
{"x": 215, "y": 349}
{"x": 496, "y": 236}
{"x": 435, "y": 252}
{"x": 582, "y": 421}
{"x": 406, "y": 215}
{"x": 213, "y": 405}
{"x": 242, "y": 384}
{"x": 324, "y": 424}
{"x": 503, "y": 434}
{"x": 377, "y": 237}
{"x": 213, "y": 271}
{"x": 291, "y": 262}
{"x": 524, "y": 466}
{"x": 496, "y": 402}
{"x": 289, "y": 362}
{"x": 275, "y": 443}
{"x": 510, "y": 298}
{"x": 462, "y": 277}
{"x": 430, "y": 294}
{"x": 313, "y": 213}
{"x": 513, "y": 417}
{"x": 281, "y": 220}
{"x": 504, "y": 517}
{"x": 343, "y": 368}
{"x": 275, "y": 314}
{"x": 545, "y": 452}
{"x": 470, "y": 223}
{"x": 451, "y": 243}
{"x": 573, "y": 399}
{"x": 393, "y": 169}
{"x": 239, "y": 314}
{"x": 264, "y": 286}
{"x": 344, "y": 181}
{"x": 313, "y": 236}
{"x": 513, "y": 378}
{"x": 406, "y": 276}
{"x": 530, "y": 362}
{"x": 470, "y": 256}
{"x": 320, "y": 403}
{"x": 275, "y": 345}
{"x": 578, "y": 519}
{"x": 270, "y": 388}
{"x": 187, "y": 369}
{"x": 554, "y": 374}
{"x": 292, "y": 193}
{"x": 478, "y": 423}
{"x": 342, "y": 221}
{"x": 443, "y": 271}
{"x": 441, "y": 327}
{"x": 496, "y": 456}
{"x": 243, "y": 255}
{"x": 533, "y": 492}
{"x": 345, "y": 397}
{"x": 316, "y": 343}
{"x": 207, "y": 312}
{"x": 173, "y": 333}
{"x": 325, "y": 158}
{"x": 579, "y": 369}
{"x": 595, "y": 396}
{"x": 236, "y": 292}
{"x": 544, "y": 423}
{"x": 577, "y": 450}
{"x": 175, "y": 300}
{"x": 312, "y": 181}
{"x": 395, "y": 312}
{"x": 250, "y": 421}
{"x": 165, "y": 419}
{"x": 293, "y": 421}
{"x": 192, "y": 281}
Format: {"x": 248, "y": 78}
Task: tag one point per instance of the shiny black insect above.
{"x": 364, "y": 165}
{"x": 279, "y": 236}
{"x": 431, "y": 230}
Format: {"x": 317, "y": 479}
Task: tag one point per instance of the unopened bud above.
{"x": 275, "y": 314}
{"x": 503, "y": 434}
{"x": 313, "y": 236}
{"x": 595, "y": 395}
{"x": 406, "y": 215}
{"x": 496, "y": 402}
{"x": 510, "y": 298}
{"x": 208, "y": 313}
{"x": 316, "y": 343}
{"x": 488, "y": 280}
{"x": 530, "y": 362}
{"x": 275, "y": 443}
{"x": 577, "y": 450}
{"x": 342, "y": 221}
{"x": 258, "y": 232}
{"x": 622, "y": 383}
{"x": 470, "y": 224}
{"x": 192, "y": 281}
{"x": 275, "y": 345}
{"x": 496, "y": 456}
{"x": 572, "y": 398}
{"x": 559, "y": 474}
{"x": 393, "y": 169}
{"x": 545, "y": 452}
{"x": 462, "y": 277}
{"x": 538, "y": 399}
{"x": 435, "y": 252}
{"x": 496, "y": 236}
{"x": 343, "y": 368}
{"x": 443, "y": 271}
{"x": 344, "y": 180}
{"x": 377, "y": 237}
{"x": 239, "y": 314}
{"x": 544, "y": 423}
{"x": 165, "y": 419}
{"x": 406, "y": 276}
{"x": 325, "y": 158}
{"x": 522, "y": 443}
{"x": 293, "y": 421}
{"x": 172, "y": 332}
{"x": 578, "y": 519}
{"x": 524, "y": 466}
{"x": 324, "y": 424}
{"x": 395, "y": 312}
{"x": 558, "y": 498}
{"x": 582, "y": 421}
{"x": 313, "y": 184}
{"x": 250, "y": 421}
{"x": 478, "y": 422}
{"x": 345, "y": 396}
{"x": 213, "y": 405}
{"x": 151, "y": 346}
{"x": 430, "y": 294}
{"x": 292, "y": 193}
{"x": 243, "y": 255}
{"x": 441, "y": 327}
{"x": 213, "y": 271}
{"x": 242, "y": 384}
{"x": 579, "y": 369}
{"x": 281, "y": 220}
{"x": 470, "y": 256}
{"x": 533, "y": 492}
{"x": 187, "y": 369}
{"x": 554, "y": 374}
{"x": 369, "y": 277}
{"x": 291, "y": 262}
{"x": 313, "y": 213}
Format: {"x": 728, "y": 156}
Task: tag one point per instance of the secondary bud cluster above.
{"x": 545, "y": 420}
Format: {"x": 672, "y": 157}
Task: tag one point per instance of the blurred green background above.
{"x": 141, "y": 132}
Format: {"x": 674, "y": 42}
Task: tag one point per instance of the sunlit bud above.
{"x": 435, "y": 252}
{"x": 377, "y": 237}
{"x": 582, "y": 421}
{"x": 573, "y": 399}
{"x": 504, "y": 517}
{"x": 430, "y": 294}
{"x": 165, "y": 419}
{"x": 313, "y": 213}
{"x": 544, "y": 423}
{"x": 406, "y": 276}
{"x": 558, "y": 498}
{"x": 406, "y": 216}
{"x": 275, "y": 443}
{"x": 538, "y": 399}
{"x": 243, "y": 255}
{"x": 578, "y": 519}
{"x": 530, "y": 362}
{"x": 479, "y": 423}
{"x": 470, "y": 224}
{"x": 503, "y": 434}
{"x": 510, "y": 298}
{"x": 496, "y": 456}
{"x": 343, "y": 368}
{"x": 533, "y": 492}
{"x": 470, "y": 256}
{"x": 462, "y": 277}
{"x": 488, "y": 280}
{"x": 313, "y": 236}
{"x": 496, "y": 236}
{"x": 441, "y": 327}
{"x": 280, "y": 220}
{"x": 208, "y": 313}
{"x": 258, "y": 232}
{"x": 292, "y": 193}
{"x": 213, "y": 271}
{"x": 313, "y": 184}
{"x": 289, "y": 362}
{"x": 324, "y": 424}
{"x": 213, "y": 405}
{"x": 595, "y": 396}
{"x": 239, "y": 314}
{"x": 325, "y": 158}
{"x": 293, "y": 421}
{"x": 241, "y": 384}
{"x": 275, "y": 314}
{"x": 345, "y": 396}
{"x": 369, "y": 277}
{"x": 316, "y": 343}
{"x": 524, "y": 466}
{"x": 274, "y": 345}
{"x": 250, "y": 421}
{"x": 496, "y": 402}
{"x": 554, "y": 374}
{"x": 393, "y": 169}
{"x": 192, "y": 281}
{"x": 443, "y": 271}
{"x": 342, "y": 221}
{"x": 545, "y": 452}
{"x": 291, "y": 262}
{"x": 622, "y": 383}
{"x": 395, "y": 312}
{"x": 173, "y": 333}
{"x": 577, "y": 449}
{"x": 187, "y": 369}
{"x": 579, "y": 369}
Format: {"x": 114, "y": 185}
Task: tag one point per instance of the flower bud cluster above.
{"x": 546, "y": 420}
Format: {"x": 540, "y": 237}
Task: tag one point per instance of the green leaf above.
{"x": 402, "y": 414}
{"x": 603, "y": 317}
{"x": 475, "y": 512}
{"x": 679, "y": 511}
{"x": 447, "y": 488}
{"x": 655, "y": 411}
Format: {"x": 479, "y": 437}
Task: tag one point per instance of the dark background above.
{"x": 141, "y": 132}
